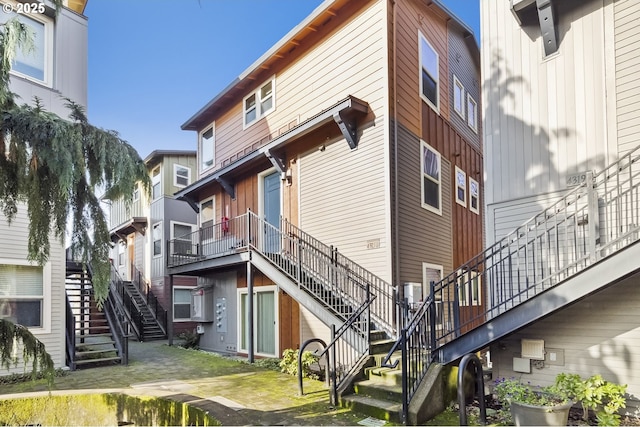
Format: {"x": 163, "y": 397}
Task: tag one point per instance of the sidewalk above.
{"x": 235, "y": 393}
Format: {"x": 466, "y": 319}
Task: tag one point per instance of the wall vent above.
{"x": 532, "y": 349}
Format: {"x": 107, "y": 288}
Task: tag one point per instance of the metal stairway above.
{"x": 586, "y": 241}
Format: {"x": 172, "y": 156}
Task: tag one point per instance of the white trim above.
{"x": 136, "y": 192}
{"x": 153, "y": 239}
{"x": 172, "y": 223}
{"x": 473, "y": 125}
{"x": 436, "y": 106}
{"x": 258, "y": 103}
{"x": 157, "y": 179}
{"x": 460, "y": 185}
{"x": 173, "y": 303}
{"x": 469, "y": 287}
{"x": 213, "y": 210}
{"x": 261, "y": 177}
{"x": 177, "y": 166}
{"x": 458, "y": 84}
{"x": 426, "y": 291}
{"x": 427, "y": 206}
{"x": 276, "y": 302}
{"x": 47, "y": 283}
{"x": 201, "y": 166}
{"x": 475, "y": 210}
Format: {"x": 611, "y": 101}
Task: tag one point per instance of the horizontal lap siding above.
{"x": 627, "y": 37}
{"x": 599, "y": 335}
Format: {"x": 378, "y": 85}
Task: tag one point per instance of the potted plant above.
{"x": 532, "y": 406}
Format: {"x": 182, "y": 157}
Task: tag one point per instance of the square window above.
{"x": 430, "y": 177}
{"x": 182, "y": 236}
{"x": 474, "y": 196}
{"x": 22, "y": 290}
{"x": 259, "y": 103}
{"x": 181, "y": 176}
{"x": 458, "y": 97}
{"x": 461, "y": 187}
{"x": 35, "y": 64}
{"x": 472, "y": 113}
{"x": 429, "y": 73}
{"x": 207, "y": 145}
{"x": 181, "y": 304}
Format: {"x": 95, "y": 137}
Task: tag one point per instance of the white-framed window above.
{"x": 433, "y": 273}
{"x": 182, "y": 238}
{"x": 474, "y": 196}
{"x": 136, "y": 192}
{"x": 181, "y": 304}
{"x": 472, "y": 113}
{"x": 461, "y": 187}
{"x": 24, "y": 293}
{"x": 207, "y": 148}
{"x": 157, "y": 239}
{"x": 458, "y": 97}
{"x": 122, "y": 247}
{"x": 36, "y": 65}
{"x": 429, "y": 73}
{"x": 265, "y": 320}
{"x": 259, "y": 103}
{"x": 181, "y": 175}
{"x": 430, "y": 177}
{"x": 469, "y": 289}
{"x": 156, "y": 183}
{"x": 207, "y": 212}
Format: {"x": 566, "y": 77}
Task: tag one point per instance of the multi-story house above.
{"x": 561, "y": 104}
{"x": 139, "y": 230}
{"x": 361, "y": 130}
{"x": 34, "y": 295}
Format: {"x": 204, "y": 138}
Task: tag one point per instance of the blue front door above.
{"x": 272, "y": 212}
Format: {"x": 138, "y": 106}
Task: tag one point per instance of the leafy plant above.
{"x": 189, "y": 339}
{"x": 289, "y": 363}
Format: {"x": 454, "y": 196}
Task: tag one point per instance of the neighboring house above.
{"x": 140, "y": 230}
{"x": 561, "y": 100}
{"x": 30, "y": 294}
{"x": 360, "y": 127}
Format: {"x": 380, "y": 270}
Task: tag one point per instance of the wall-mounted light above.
{"x": 288, "y": 177}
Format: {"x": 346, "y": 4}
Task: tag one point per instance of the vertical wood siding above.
{"x": 627, "y": 59}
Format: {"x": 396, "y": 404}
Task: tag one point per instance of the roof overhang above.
{"x": 137, "y": 223}
{"x": 344, "y": 114}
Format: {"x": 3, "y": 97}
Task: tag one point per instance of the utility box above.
{"x": 202, "y": 304}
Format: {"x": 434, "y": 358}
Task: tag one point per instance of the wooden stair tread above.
{"x": 100, "y": 360}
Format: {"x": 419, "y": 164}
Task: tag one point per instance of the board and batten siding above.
{"x": 13, "y": 246}
{"x": 611, "y": 346}
{"x": 627, "y": 58}
{"x": 544, "y": 118}
{"x": 349, "y": 60}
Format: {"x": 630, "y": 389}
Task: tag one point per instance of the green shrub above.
{"x": 289, "y": 363}
{"x": 189, "y": 339}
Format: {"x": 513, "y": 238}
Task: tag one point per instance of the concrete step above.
{"x": 379, "y": 390}
{"x": 377, "y": 408}
{"x": 384, "y": 376}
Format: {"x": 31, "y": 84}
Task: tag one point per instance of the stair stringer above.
{"x": 594, "y": 278}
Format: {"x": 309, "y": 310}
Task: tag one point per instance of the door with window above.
{"x": 271, "y": 212}
{"x": 264, "y": 320}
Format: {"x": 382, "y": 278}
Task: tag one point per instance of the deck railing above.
{"x": 592, "y": 221}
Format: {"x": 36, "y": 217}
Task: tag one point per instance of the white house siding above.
{"x": 14, "y": 249}
{"x": 544, "y": 118}
{"x": 598, "y": 335}
{"x": 627, "y": 59}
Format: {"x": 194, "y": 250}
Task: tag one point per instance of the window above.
{"x": 121, "y": 253}
{"x": 474, "y": 196}
{"x": 430, "y": 176}
{"x": 181, "y": 176}
{"x": 181, "y": 304}
{"x": 157, "y": 239}
{"x": 156, "y": 183}
{"x": 207, "y": 143}
{"x": 182, "y": 238}
{"x": 433, "y": 273}
{"x": 461, "y": 187}
{"x": 429, "y": 80}
{"x": 265, "y": 320}
{"x": 259, "y": 103}
{"x": 22, "y": 294}
{"x": 35, "y": 65}
{"x": 469, "y": 289}
{"x": 206, "y": 213}
{"x": 472, "y": 113}
{"x": 136, "y": 193}
{"x": 458, "y": 97}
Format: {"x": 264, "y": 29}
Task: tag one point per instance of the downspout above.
{"x": 396, "y": 210}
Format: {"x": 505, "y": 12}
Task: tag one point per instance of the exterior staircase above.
{"x": 91, "y": 341}
{"x": 151, "y": 328}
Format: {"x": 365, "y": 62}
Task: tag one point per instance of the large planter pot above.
{"x": 534, "y": 415}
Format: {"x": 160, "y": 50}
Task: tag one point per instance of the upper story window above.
{"x": 206, "y": 213}
{"x": 474, "y": 196}
{"x": 430, "y": 178}
{"x": 259, "y": 103}
{"x": 181, "y": 175}
{"x": 157, "y": 239}
{"x": 458, "y": 97}
{"x": 429, "y": 74}
{"x": 207, "y": 148}
{"x": 156, "y": 183}
{"x": 461, "y": 187}
{"x": 22, "y": 290}
{"x": 136, "y": 192}
{"x": 36, "y": 64}
{"x": 472, "y": 113}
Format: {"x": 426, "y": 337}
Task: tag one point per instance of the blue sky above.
{"x": 154, "y": 63}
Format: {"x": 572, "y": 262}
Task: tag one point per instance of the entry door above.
{"x": 271, "y": 203}
{"x": 264, "y": 321}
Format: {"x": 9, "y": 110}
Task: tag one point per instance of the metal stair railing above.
{"x": 598, "y": 218}
{"x": 154, "y": 305}
{"x": 131, "y": 311}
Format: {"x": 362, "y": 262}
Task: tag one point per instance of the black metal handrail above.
{"x": 70, "y": 331}
{"x": 118, "y": 324}
{"x": 154, "y": 305}
{"x": 131, "y": 311}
